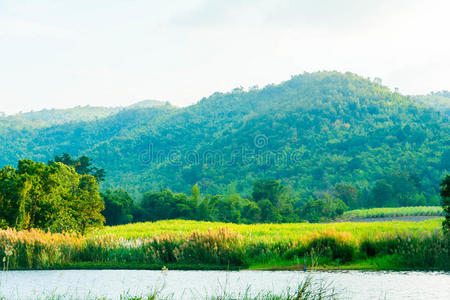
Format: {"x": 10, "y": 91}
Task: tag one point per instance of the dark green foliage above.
{"x": 267, "y": 189}
{"x": 348, "y": 194}
{"x": 53, "y": 197}
{"x": 118, "y": 207}
{"x": 82, "y": 165}
{"x": 397, "y": 189}
{"x": 413, "y": 251}
{"x": 323, "y": 209}
{"x": 273, "y": 200}
{"x": 227, "y": 209}
{"x": 330, "y": 247}
{"x": 167, "y": 205}
{"x": 445, "y": 194}
{"x": 223, "y": 208}
{"x": 382, "y": 194}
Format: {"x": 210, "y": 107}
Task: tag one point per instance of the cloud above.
{"x": 211, "y": 13}
{"x": 26, "y": 29}
{"x": 421, "y": 78}
{"x": 333, "y": 14}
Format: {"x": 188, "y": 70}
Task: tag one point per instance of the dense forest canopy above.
{"x": 313, "y": 132}
{"x": 52, "y": 197}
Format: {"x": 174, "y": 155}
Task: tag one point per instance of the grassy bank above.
{"x": 391, "y": 212}
{"x": 204, "y": 245}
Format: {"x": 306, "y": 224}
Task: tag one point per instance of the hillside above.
{"x": 313, "y": 131}
{"x": 60, "y": 116}
{"x": 438, "y": 100}
{"x": 48, "y": 117}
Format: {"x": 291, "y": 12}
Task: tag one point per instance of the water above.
{"x": 111, "y": 284}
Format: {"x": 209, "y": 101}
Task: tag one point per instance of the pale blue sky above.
{"x": 56, "y": 54}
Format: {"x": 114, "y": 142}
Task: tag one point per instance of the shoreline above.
{"x": 368, "y": 265}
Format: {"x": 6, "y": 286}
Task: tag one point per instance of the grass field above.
{"x": 269, "y": 232}
{"x": 386, "y": 212}
{"x": 180, "y": 244}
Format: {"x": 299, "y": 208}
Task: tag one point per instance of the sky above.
{"x": 60, "y": 54}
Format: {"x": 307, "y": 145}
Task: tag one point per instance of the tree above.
{"x": 273, "y": 201}
{"x": 348, "y": 194}
{"x": 323, "y": 209}
{"x": 251, "y": 213}
{"x": 82, "y": 165}
{"x": 268, "y": 189}
{"x": 166, "y": 205}
{"x": 118, "y": 207}
{"x": 228, "y": 209}
{"x": 445, "y": 194}
{"x": 52, "y": 197}
{"x": 268, "y": 212}
{"x": 382, "y": 194}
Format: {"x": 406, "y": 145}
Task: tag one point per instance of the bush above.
{"x": 332, "y": 248}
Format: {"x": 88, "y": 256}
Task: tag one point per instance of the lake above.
{"x": 111, "y": 284}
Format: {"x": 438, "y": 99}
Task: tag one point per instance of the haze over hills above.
{"x": 76, "y": 114}
{"x": 437, "y": 100}
{"x": 312, "y": 132}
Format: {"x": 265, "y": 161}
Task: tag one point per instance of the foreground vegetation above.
{"x": 205, "y": 245}
{"x": 388, "y": 212}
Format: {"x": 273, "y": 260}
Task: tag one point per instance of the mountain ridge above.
{"x": 328, "y": 127}
{"x": 54, "y": 116}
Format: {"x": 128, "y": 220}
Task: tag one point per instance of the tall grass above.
{"x": 264, "y": 232}
{"x": 418, "y": 245}
{"x": 388, "y": 212}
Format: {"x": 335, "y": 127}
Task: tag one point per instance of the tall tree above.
{"x": 445, "y": 194}
{"x": 52, "y": 197}
{"x": 348, "y": 194}
{"x": 118, "y": 207}
{"x": 82, "y": 165}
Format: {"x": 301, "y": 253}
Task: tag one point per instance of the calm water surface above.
{"x": 85, "y": 284}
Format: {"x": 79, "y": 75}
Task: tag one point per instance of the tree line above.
{"x": 63, "y": 195}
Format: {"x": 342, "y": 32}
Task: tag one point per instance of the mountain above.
{"x": 147, "y": 104}
{"x": 312, "y": 132}
{"x": 60, "y": 116}
{"x": 438, "y": 100}
{"x": 48, "y": 117}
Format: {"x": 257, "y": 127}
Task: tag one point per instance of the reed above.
{"x": 189, "y": 244}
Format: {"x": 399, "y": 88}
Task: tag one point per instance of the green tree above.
{"x": 382, "y": 195}
{"x": 118, "y": 207}
{"x": 228, "y": 209}
{"x": 82, "y": 165}
{"x": 52, "y": 197}
{"x": 323, "y": 209}
{"x": 445, "y": 194}
{"x": 348, "y": 194}
{"x": 166, "y": 205}
{"x": 268, "y": 189}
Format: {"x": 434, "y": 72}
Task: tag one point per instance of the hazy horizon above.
{"x": 113, "y": 53}
{"x": 131, "y": 103}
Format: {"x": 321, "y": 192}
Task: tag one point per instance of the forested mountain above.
{"x": 313, "y": 132}
{"x": 77, "y": 114}
{"x": 437, "y": 100}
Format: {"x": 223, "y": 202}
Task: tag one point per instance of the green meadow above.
{"x": 180, "y": 244}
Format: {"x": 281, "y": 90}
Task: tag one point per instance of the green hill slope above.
{"x": 437, "y": 100}
{"x": 312, "y": 132}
